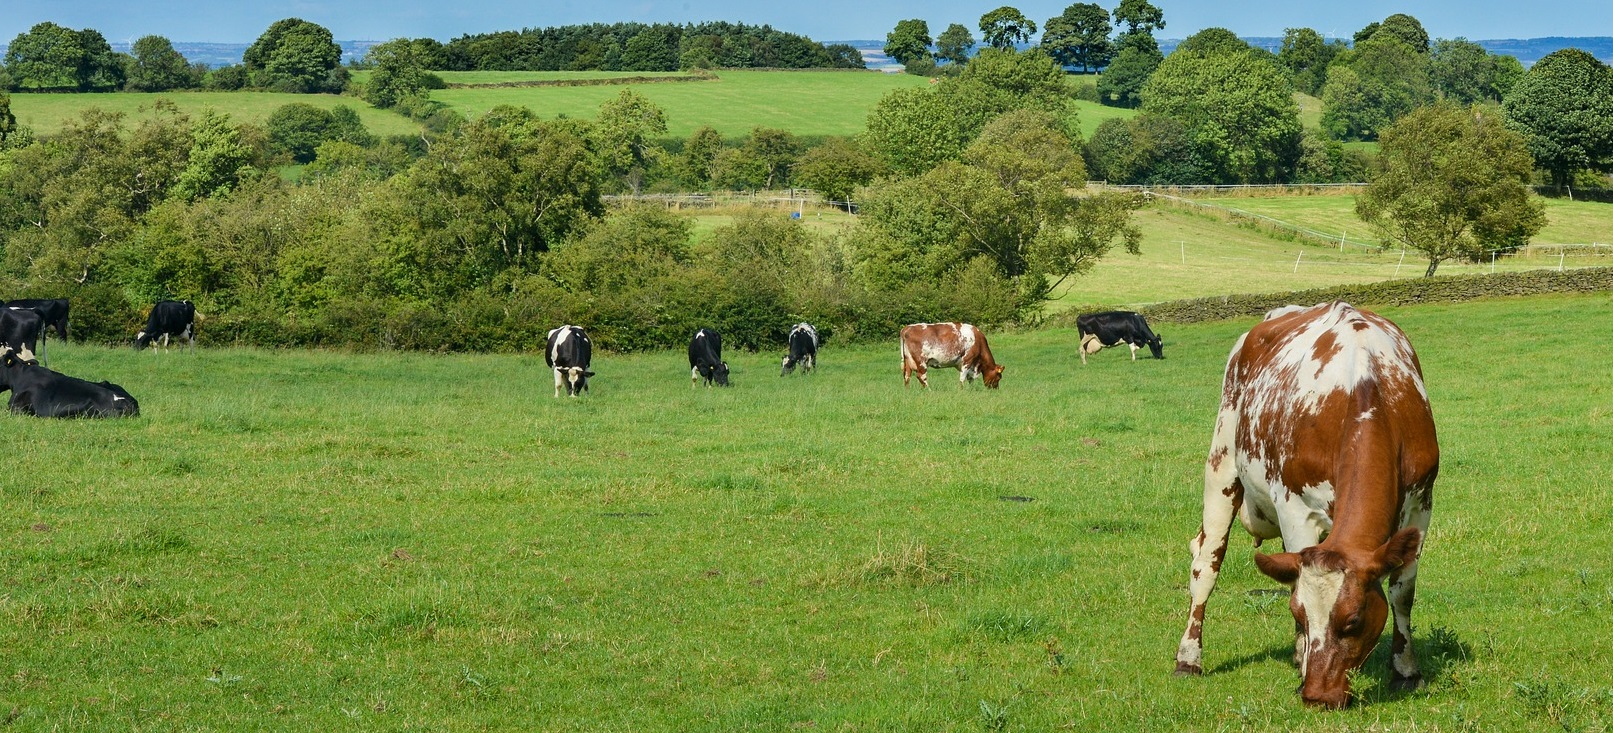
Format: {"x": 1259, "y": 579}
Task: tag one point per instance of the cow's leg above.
{"x": 694, "y": 377}
{"x": 923, "y": 375}
{"x": 1402, "y": 593}
{"x": 43, "y": 359}
{"x": 1222, "y": 496}
{"x": 1133, "y": 350}
{"x": 556, "y": 382}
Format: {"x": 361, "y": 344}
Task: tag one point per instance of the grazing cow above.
{"x": 1325, "y": 439}
{"x": 53, "y": 315}
{"x": 568, "y": 354}
{"x": 803, "y": 349}
{"x": 20, "y": 329}
{"x": 705, "y": 359}
{"x": 169, "y": 318}
{"x": 958, "y": 345}
{"x": 1112, "y": 328}
{"x": 38, "y": 391}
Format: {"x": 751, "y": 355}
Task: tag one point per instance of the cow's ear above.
{"x": 1402, "y": 548}
{"x": 587, "y": 373}
{"x": 1282, "y": 567}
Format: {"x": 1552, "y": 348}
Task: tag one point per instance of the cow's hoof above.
{"x": 1405, "y": 684}
{"x": 1183, "y": 669}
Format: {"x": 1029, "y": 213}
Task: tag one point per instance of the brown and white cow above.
{"x": 959, "y": 345}
{"x": 1326, "y": 440}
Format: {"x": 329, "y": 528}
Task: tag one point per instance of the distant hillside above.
{"x": 224, "y": 54}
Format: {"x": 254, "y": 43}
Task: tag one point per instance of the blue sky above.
{"x": 230, "y": 21}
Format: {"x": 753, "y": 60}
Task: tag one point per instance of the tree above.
{"x": 1238, "y": 109}
{"x": 1563, "y": 106}
{"x": 1006, "y": 26}
{"x": 652, "y": 49}
{"x": 217, "y": 161}
{"x": 294, "y": 55}
{"x": 627, "y": 128}
{"x": 913, "y": 130}
{"x": 909, "y": 41}
{"x": 46, "y": 58}
{"x": 836, "y": 169}
{"x": 845, "y": 56}
{"x": 1406, "y": 29}
{"x": 1005, "y": 203}
{"x": 775, "y": 151}
{"x": 954, "y": 44}
{"x": 1390, "y": 79}
{"x": 1140, "y": 16}
{"x": 698, "y": 152}
{"x": 1464, "y": 72}
{"x": 1122, "y": 82}
{"x": 1213, "y": 41}
{"x": 1453, "y": 185}
{"x": 158, "y": 67}
{"x": 399, "y": 72}
{"x": 8, "y": 121}
{"x": 1079, "y": 37}
{"x": 100, "y": 69}
{"x": 297, "y": 129}
{"x": 1307, "y": 56}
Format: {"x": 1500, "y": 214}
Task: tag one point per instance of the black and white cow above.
{"x": 803, "y": 341}
{"x": 1112, "y": 328}
{"x": 169, "y": 318}
{"x": 705, "y": 359}
{"x": 38, "y": 391}
{"x": 53, "y": 316}
{"x": 20, "y": 329}
{"x": 568, "y": 354}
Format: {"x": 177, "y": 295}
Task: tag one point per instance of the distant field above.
{"x": 47, "y": 112}
{"x": 499, "y": 77}
{"x": 803, "y": 102}
{"x": 322, "y": 541}
{"x": 1567, "y": 222}
{"x": 1310, "y": 111}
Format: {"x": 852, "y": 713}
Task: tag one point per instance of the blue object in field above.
{"x": 795, "y": 215}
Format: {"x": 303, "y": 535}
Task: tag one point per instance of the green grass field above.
{"x": 46, "y": 113}
{"x": 803, "y": 102}
{"x": 321, "y": 541}
{"x": 1567, "y": 222}
{"x": 502, "y": 77}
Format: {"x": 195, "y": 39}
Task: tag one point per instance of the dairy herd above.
{"x": 1324, "y": 441}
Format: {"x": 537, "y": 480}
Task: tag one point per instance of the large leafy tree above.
{"x": 1563, "y": 107}
{"x": 954, "y": 44}
{"x": 1307, "y": 56}
{"x": 399, "y": 72}
{"x": 1238, "y": 108}
{"x": 1006, "y": 26}
{"x": 1122, "y": 82}
{"x": 836, "y": 168}
{"x": 295, "y": 55}
{"x": 1004, "y": 206}
{"x": 1401, "y": 27}
{"x": 627, "y": 128}
{"x": 158, "y": 67}
{"x": 1139, "y": 16}
{"x": 909, "y": 41}
{"x": 1464, "y": 72}
{"x": 1453, "y": 185}
{"x": 8, "y": 121}
{"x": 1079, "y": 37}
{"x": 1387, "y": 79}
{"x": 1213, "y": 40}
{"x": 100, "y": 69}
{"x": 46, "y": 58}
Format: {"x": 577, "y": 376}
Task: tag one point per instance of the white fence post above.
{"x": 1401, "y": 262}
{"x": 1297, "y": 259}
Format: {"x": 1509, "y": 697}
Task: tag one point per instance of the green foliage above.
{"x": 1465, "y": 73}
{"x": 837, "y": 168}
{"x": 1238, "y": 109}
{"x": 1401, "y": 27}
{"x": 1386, "y": 79}
{"x": 694, "y": 163}
{"x": 652, "y": 49}
{"x": 1006, "y": 203}
{"x": 626, "y": 128}
{"x": 1453, "y": 185}
{"x": 954, "y": 44}
{"x": 158, "y": 67}
{"x": 1147, "y": 149}
{"x": 399, "y": 72}
{"x": 217, "y": 161}
{"x": 1307, "y": 57}
{"x": 295, "y": 55}
{"x": 1139, "y": 16}
{"x": 845, "y": 56}
{"x": 1079, "y": 37}
{"x": 297, "y": 129}
{"x": 1122, "y": 82}
{"x": 909, "y": 40}
{"x": 50, "y": 57}
{"x": 1213, "y": 41}
{"x": 914, "y": 130}
{"x": 227, "y": 78}
{"x": 8, "y": 121}
{"x": 1563, "y": 107}
{"x": 1006, "y": 26}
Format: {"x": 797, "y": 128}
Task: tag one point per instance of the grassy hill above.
{"x": 427, "y": 542}
{"x": 46, "y": 113}
{"x": 1567, "y": 222}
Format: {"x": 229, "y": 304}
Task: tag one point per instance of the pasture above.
{"x": 1567, "y": 222}
{"x": 46, "y": 113}
{"x": 321, "y": 541}
{"x": 810, "y": 103}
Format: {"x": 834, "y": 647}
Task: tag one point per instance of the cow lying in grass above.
{"x": 38, "y": 391}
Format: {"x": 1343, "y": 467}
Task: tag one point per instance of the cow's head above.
{"x": 1157, "y": 346}
{"x": 576, "y": 379}
{"x": 993, "y": 376}
{"x": 1339, "y": 609}
{"x": 719, "y": 374}
{"x": 141, "y": 340}
{"x": 789, "y": 366}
